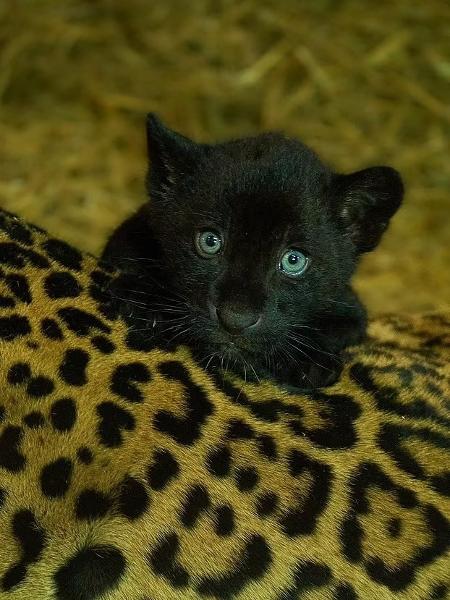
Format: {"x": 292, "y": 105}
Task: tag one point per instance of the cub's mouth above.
{"x": 242, "y": 354}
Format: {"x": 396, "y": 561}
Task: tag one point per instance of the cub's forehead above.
{"x": 265, "y": 206}
{"x": 269, "y": 196}
{"x": 262, "y": 217}
{"x": 281, "y": 183}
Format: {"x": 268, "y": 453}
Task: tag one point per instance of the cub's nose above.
{"x": 237, "y": 320}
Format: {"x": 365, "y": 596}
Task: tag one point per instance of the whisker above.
{"x": 340, "y": 302}
{"x": 303, "y": 326}
{"x": 143, "y": 258}
{"x": 301, "y": 340}
{"x": 309, "y": 357}
{"x": 292, "y": 359}
{"x": 213, "y": 355}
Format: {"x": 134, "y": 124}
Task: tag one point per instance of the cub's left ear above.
{"x": 366, "y": 200}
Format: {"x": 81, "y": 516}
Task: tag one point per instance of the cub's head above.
{"x": 257, "y": 235}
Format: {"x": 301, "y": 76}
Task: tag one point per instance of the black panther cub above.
{"x": 246, "y": 251}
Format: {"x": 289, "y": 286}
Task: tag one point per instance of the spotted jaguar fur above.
{"x": 128, "y": 473}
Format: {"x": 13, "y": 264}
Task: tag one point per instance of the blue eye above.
{"x": 208, "y": 243}
{"x": 293, "y": 263}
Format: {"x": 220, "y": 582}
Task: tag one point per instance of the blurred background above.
{"x": 362, "y": 82}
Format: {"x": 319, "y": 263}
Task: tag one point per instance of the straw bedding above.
{"x": 362, "y": 82}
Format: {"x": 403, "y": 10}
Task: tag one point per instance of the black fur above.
{"x": 262, "y": 195}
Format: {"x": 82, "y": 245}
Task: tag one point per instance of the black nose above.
{"x": 235, "y": 321}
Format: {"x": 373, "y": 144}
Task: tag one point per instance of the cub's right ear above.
{"x": 171, "y": 155}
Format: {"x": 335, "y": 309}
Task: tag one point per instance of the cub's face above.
{"x": 257, "y": 237}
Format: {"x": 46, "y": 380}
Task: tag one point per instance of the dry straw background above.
{"x": 362, "y": 82}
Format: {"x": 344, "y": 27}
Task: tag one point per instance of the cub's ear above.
{"x": 171, "y": 155}
{"x": 366, "y": 200}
